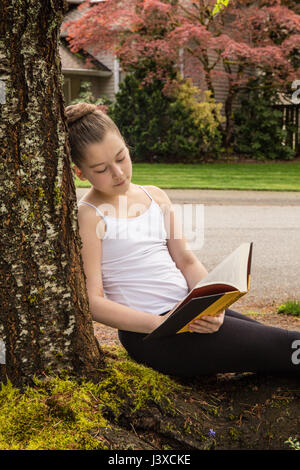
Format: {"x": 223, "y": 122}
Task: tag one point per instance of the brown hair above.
{"x": 87, "y": 124}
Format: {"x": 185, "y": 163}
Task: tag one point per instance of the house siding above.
{"x": 108, "y": 86}
{"x": 220, "y": 84}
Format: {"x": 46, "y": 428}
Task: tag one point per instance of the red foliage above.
{"x": 261, "y": 35}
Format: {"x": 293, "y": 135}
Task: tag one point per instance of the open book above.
{"x": 225, "y": 284}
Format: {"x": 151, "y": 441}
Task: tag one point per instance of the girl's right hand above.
{"x": 207, "y": 324}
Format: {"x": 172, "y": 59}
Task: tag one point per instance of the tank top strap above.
{"x": 146, "y": 192}
{"x": 98, "y": 210}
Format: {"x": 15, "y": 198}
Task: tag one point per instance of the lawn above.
{"x": 240, "y": 176}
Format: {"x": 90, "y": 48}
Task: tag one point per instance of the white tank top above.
{"x": 137, "y": 269}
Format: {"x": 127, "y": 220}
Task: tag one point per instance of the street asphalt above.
{"x": 271, "y": 220}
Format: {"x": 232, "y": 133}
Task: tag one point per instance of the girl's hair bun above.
{"x": 79, "y": 110}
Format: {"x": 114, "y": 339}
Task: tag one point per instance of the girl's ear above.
{"x": 78, "y": 172}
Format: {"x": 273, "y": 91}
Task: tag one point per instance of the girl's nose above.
{"x": 117, "y": 171}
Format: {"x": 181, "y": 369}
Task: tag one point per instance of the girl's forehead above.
{"x": 105, "y": 150}
{"x": 110, "y": 141}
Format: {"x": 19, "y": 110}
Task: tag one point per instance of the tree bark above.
{"x": 44, "y": 315}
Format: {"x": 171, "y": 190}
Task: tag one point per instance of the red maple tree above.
{"x": 247, "y": 37}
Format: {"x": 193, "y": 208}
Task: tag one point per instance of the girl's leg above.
{"x": 238, "y": 346}
{"x": 233, "y": 313}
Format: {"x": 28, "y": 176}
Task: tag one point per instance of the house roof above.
{"x": 75, "y": 63}
{"x": 72, "y": 15}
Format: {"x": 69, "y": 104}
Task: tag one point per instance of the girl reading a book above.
{"x": 137, "y": 270}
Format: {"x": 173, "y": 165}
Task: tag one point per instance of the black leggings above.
{"x": 240, "y": 345}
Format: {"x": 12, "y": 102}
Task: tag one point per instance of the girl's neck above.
{"x": 101, "y": 198}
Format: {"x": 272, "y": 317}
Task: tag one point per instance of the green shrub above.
{"x": 195, "y": 119}
{"x": 86, "y": 95}
{"x": 291, "y": 307}
{"x": 258, "y": 126}
{"x": 163, "y": 128}
{"x": 138, "y": 114}
{"x": 206, "y": 113}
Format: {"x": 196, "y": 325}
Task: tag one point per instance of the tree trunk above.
{"x": 229, "y": 125}
{"x": 44, "y": 317}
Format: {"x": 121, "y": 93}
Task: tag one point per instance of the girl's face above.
{"x": 107, "y": 166}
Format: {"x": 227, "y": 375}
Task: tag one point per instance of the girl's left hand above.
{"x": 207, "y": 324}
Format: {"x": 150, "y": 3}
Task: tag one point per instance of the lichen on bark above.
{"x": 41, "y": 268}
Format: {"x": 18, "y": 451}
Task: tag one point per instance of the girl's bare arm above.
{"x": 102, "y": 309}
{"x": 185, "y": 260}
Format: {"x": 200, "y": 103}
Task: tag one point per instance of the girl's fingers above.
{"x": 195, "y": 330}
{"x": 208, "y": 321}
{"x": 202, "y": 328}
{"x": 207, "y": 324}
{"x": 213, "y": 318}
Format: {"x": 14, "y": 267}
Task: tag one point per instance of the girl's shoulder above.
{"x": 158, "y": 194}
{"x": 88, "y": 208}
{"x": 90, "y": 218}
{"x": 161, "y": 198}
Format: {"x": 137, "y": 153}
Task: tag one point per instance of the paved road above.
{"x": 270, "y": 219}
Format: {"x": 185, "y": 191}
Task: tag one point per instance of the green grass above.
{"x": 291, "y": 307}
{"x": 238, "y": 176}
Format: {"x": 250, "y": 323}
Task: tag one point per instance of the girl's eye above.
{"x": 102, "y": 171}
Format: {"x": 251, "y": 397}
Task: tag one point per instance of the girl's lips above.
{"x": 120, "y": 184}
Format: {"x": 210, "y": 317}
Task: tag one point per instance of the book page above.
{"x": 232, "y": 270}
{"x": 229, "y": 275}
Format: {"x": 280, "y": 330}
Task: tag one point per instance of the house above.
{"x": 104, "y": 73}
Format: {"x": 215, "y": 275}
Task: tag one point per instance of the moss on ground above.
{"x": 62, "y": 413}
